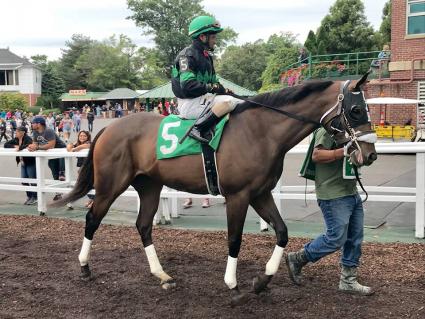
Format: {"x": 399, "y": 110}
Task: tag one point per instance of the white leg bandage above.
{"x": 274, "y": 262}
{"x": 84, "y": 255}
{"x": 230, "y": 276}
{"x": 156, "y": 268}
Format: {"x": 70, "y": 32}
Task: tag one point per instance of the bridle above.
{"x": 342, "y": 125}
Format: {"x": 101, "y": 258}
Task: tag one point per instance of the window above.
{"x": 2, "y": 77}
{"x": 9, "y": 77}
{"x": 415, "y": 17}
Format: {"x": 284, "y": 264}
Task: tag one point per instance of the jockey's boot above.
{"x": 202, "y": 124}
{"x": 295, "y": 262}
{"x": 348, "y": 282}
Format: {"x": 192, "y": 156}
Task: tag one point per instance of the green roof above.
{"x": 120, "y": 94}
{"x": 89, "y": 96}
{"x": 165, "y": 91}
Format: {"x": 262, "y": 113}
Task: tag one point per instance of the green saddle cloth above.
{"x": 171, "y": 131}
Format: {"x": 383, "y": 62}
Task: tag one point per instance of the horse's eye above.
{"x": 356, "y": 110}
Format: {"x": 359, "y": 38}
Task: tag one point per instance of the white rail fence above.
{"x": 169, "y": 196}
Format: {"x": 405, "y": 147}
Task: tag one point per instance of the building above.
{"x": 19, "y": 75}
{"x": 406, "y": 66}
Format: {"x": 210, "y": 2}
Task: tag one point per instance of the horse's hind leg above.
{"x": 265, "y": 206}
{"x": 105, "y": 196}
{"x": 149, "y": 193}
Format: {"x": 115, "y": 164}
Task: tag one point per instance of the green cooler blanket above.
{"x": 171, "y": 131}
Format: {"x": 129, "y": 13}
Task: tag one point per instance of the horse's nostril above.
{"x": 373, "y": 157}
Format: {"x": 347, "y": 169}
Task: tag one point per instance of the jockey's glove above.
{"x": 217, "y": 88}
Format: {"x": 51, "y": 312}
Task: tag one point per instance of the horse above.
{"x": 249, "y": 161}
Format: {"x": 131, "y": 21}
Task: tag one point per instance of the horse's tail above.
{"x": 85, "y": 178}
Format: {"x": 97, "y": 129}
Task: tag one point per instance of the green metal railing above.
{"x": 338, "y": 65}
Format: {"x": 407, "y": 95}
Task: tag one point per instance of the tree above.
{"x": 345, "y": 29}
{"x": 311, "y": 43}
{"x": 167, "y": 21}
{"x": 283, "y": 51}
{"x": 244, "y": 64}
{"x": 109, "y": 64}
{"x": 73, "y": 78}
{"x": 385, "y": 28}
{"x": 151, "y": 68}
{"x": 52, "y": 84}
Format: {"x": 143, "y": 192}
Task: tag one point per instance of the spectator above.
{"x": 83, "y": 142}
{"x": 98, "y": 110}
{"x": 67, "y": 125}
{"x": 45, "y": 139}
{"x": 59, "y": 128}
{"x": 13, "y": 126}
{"x": 118, "y": 112}
{"x": 381, "y": 64}
{"x": 303, "y": 57}
{"x": 20, "y": 142}
{"x": 90, "y": 119}
{"x": 111, "y": 111}
{"x": 188, "y": 203}
{"x": 76, "y": 119}
{"x": 104, "y": 109}
{"x": 50, "y": 122}
{"x": 173, "y": 107}
{"x": 3, "y": 128}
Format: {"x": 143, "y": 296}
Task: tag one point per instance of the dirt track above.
{"x": 39, "y": 276}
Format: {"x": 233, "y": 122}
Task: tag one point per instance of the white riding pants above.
{"x": 192, "y": 108}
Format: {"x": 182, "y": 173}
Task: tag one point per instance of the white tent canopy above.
{"x": 391, "y": 100}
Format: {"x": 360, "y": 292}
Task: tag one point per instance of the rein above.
{"x": 288, "y": 114}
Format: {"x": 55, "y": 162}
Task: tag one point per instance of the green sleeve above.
{"x": 324, "y": 139}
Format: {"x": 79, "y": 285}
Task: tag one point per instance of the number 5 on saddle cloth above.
{"x": 171, "y": 131}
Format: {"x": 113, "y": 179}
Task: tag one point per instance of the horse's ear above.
{"x": 362, "y": 81}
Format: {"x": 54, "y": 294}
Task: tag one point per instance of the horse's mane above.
{"x": 285, "y": 96}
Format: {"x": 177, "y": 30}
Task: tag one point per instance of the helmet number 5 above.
{"x": 169, "y": 137}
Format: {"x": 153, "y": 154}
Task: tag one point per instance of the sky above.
{"x": 43, "y": 26}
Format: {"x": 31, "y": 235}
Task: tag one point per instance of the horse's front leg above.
{"x": 265, "y": 206}
{"x": 149, "y": 195}
{"x": 236, "y": 208}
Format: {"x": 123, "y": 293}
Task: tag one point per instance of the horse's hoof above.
{"x": 239, "y": 299}
{"x": 42, "y": 214}
{"x": 168, "y": 285}
{"x": 260, "y": 283}
{"x": 86, "y": 274}
{"x": 167, "y": 222}
{"x": 264, "y": 230}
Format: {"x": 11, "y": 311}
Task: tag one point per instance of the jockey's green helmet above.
{"x": 204, "y": 24}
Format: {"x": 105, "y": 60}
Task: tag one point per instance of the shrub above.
{"x": 12, "y": 101}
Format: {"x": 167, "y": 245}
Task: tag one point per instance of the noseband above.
{"x": 344, "y": 132}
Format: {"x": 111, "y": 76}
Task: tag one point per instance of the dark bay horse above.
{"x": 249, "y": 160}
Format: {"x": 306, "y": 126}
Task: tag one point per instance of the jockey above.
{"x": 194, "y": 82}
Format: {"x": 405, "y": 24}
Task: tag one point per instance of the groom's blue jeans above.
{"x": 344, "y": 229}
